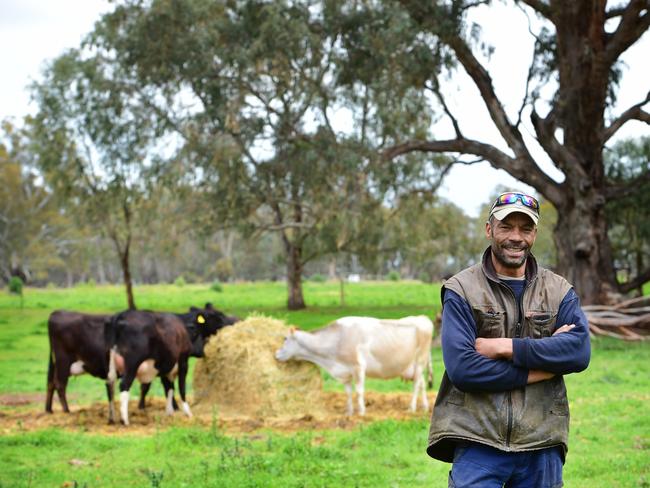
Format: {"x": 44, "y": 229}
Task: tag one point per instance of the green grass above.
{"x": 610, "y": 421}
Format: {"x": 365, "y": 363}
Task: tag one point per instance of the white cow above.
{"x": 352, "y": 348}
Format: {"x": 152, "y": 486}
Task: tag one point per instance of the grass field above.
{"x": 610, "y": 422}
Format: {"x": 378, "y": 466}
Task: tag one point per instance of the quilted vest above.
{"x": 532, "y": 417}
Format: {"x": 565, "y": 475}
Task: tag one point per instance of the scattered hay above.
{"x": 239, "y": 374}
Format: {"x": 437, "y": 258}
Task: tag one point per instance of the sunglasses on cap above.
{"x": 512, "y": 197}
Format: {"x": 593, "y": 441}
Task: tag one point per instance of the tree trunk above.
{"x": 126, "y": 272}
{"x": 584, "y": 252}
{"x": 294, "y": 278}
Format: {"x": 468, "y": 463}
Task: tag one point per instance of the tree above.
{"x": 92, "y": 138}
{"x": 629, "y": 215}
{"x": 577, "y": 49}
{"x": 31, "y": 226}
{"x": 251, "y": 88}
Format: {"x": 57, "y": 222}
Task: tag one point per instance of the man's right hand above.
{"x": 535, "y": 376}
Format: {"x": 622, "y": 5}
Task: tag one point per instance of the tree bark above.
{"x": 126, "y": 273}
{"x": 296, "y": 300}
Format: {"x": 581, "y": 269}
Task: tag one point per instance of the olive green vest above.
{"x": 533, "y": 417}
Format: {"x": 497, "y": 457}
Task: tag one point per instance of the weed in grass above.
{"x": 155, "y": 477}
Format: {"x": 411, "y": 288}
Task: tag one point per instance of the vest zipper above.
{"x": 518, "y": 327}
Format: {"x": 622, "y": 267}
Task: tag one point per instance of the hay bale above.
{"x": 239, "y": 374}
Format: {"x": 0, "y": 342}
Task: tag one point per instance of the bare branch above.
{"x": 616, "y": 191}
{"x": 540, "y": 7}
{"x": 436, "y": 90}
{"x": 632, "y": 113}
{"x": 639, "y": 280}
{"x": 523, "y": 169}
{"x": 632, "y": 26}
{"x": 483, "y": 82}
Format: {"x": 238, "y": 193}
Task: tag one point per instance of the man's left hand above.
{"x": 499, "y": 348}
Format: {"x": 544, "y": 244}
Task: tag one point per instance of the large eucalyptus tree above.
{"x": 578, "y": 46}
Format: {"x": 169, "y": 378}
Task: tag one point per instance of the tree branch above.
{"x": 632, "y": 113}
{"x": 483, "y": 82}
{"x": 615, "y": 191}
{"x": 523, "y": 169}
{"x": 540, "y": 7}
{"x": 639, "y": 280}
{"x": 629, "y": 30}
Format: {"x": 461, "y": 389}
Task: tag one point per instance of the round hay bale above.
{"x": 239, "y": 374}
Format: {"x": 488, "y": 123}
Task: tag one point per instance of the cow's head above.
{"x": 290, "y": 347}
{"x": 204, "y": 322}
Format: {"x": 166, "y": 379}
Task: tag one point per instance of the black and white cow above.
{"x": 150, "y": 344}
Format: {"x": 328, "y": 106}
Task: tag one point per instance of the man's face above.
{"x": 511, "y": 240}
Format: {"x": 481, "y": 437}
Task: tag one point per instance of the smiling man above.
{"x": 510, "y": 331}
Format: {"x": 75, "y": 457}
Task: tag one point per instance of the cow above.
{"x": 353, "y": 348}
{"x": 76, "y": 347}
{"x": 151, "y": 344}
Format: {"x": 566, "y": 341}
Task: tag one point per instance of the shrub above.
{"x": 424, "y": 277}
{"x": 318, "y": 278}
{"x": 216, "y": 286}
{"x": 180, "y": 281}
{"x": 393, "y": 275}
{"x": 15, "y": 285}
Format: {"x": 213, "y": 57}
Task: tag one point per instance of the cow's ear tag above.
{"x": 200, "y": 319}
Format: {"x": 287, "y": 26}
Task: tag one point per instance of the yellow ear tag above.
{"x": 200, "y": 319}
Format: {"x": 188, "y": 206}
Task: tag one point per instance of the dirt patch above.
{"x": 15, "y": 399}
{"x": 94, "y": 417}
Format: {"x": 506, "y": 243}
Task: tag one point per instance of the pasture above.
{"x": 610, "y": 423}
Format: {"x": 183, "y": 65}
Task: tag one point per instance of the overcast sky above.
{"x": 33, "y": 31}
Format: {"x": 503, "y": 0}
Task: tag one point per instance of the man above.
{"x": 510, "y": 330}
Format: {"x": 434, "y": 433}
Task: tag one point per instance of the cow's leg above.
{"x": 125, "y": 386}
{"x": 168, "y": 385}
{"x": 423, "y": 385}
{"x": 144, "y": 389}
{"x": 348, "y": 390}
{"x": 417, "y": 380}
{"x": 50, "y": 383}
{"x": 110, "y": 392}
{"x": 182, "y": 375}
{"x": 359, "y": 384}
{"x": 61, "y": 375}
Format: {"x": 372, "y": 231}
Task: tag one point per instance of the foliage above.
{"x": 216, "y": 286}
{"x": 318, "y": 278}
{"x": 180, "y": 282}
{"x": 629, "y": 214}
{"x": 32, "y": 230}
{"x": 15, "y": 285}
{"x": 393, "y": 275}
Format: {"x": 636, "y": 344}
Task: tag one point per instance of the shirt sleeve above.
{"x": 568, "y": 352}
{"x": 467, "y": 369}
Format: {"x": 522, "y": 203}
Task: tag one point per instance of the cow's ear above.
{"x": 292, "y": 330}
{"x": 194, "y": 309}
{"x": 200, "y": 319}
{"x": 208, "y": 306}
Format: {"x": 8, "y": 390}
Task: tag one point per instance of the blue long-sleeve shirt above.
{"x": 468, "y": 370}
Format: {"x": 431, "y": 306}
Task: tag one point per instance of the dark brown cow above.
{"x": 76, "y": 347}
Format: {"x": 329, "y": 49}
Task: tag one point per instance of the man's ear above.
{"x": 488, "y": 230}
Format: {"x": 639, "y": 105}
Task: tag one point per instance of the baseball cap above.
{"x": 513, "y": 201}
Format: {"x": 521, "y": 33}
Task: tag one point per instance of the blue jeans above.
{"x": 479, "y": 466}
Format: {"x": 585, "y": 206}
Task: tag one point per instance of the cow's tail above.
{"x": 110, "y": 332}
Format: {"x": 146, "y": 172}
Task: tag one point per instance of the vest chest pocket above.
{"x": 541, "y": 323}
{"x": 490, "y": 322}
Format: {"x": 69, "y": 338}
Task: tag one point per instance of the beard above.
{"x": 500, "y": 254}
